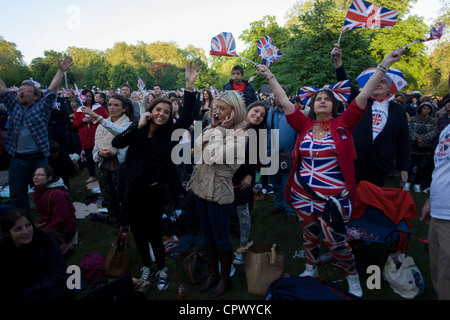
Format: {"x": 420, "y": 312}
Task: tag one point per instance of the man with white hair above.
{"x": 27, "y": 136}
{"x": 382, "y": 136}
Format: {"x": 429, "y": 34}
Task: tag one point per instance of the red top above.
{"x": 342, "y": 132}
{"x": 86, "y": 130}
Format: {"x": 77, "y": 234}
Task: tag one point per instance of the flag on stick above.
{"x": 224, "y": 45}
{"x": 267, "y": 51}
{"x": 363, "y": 14}
{"x": 435, "y": 34}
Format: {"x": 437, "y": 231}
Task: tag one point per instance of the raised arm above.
{"x": 63, "y": 66}
{"x": 280, "y": 94}
{"x": 366, "y": 92}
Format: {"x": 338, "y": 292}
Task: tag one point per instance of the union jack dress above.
{"x": 320, "y": 170}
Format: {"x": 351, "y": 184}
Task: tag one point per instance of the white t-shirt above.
{"x": 440, "y": 183}
{"x": 380, "y": 114}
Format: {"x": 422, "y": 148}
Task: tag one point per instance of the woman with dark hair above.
{"x": 32, "y": 266}
{"x": 206, "y": 103}
{"x": 148, "y": 179}
{"x": 53, "y": 202}
{"x": 121, "y": 114}
{"x": 87, "y": 126}
{"x": 322, "y": 184}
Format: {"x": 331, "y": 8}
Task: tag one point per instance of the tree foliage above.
{"x": 306, "y": 41}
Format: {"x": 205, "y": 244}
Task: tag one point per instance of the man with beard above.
{"x": 27, "y": 136}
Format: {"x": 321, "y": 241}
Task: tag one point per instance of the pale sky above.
{"x": 36, "y": 26}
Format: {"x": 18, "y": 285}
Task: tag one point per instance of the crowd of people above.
{"x": 124, "y": 139}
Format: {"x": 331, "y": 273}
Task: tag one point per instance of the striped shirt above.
{"x": 320, "y": 170}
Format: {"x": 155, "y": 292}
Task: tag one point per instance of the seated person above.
{"x": 32, "y": 267}
{"x": 56, "y": 211}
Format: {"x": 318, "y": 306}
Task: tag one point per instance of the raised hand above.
{"x": 191, "y": 73}
{"x": 263, "y": 70}
{"x": 392, "y": 57}
{"x": 65, "y": 64}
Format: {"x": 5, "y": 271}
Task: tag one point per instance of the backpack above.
{"x": 306, "y": 288}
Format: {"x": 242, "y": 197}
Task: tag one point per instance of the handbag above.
{"x": 286, "y": 161}
{"x": 403, "y": 275}
{"x": 117, "y": 262}
{"x": 194, "y": 263}
{"x": 263, "y": 265}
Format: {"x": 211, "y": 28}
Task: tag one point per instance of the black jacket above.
{"x": 249, "y": 91}
{"x": 166, "y": 173}
{"x": 390, "y": 147}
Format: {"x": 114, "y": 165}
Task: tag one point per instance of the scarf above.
{"x": 103, "y": 137}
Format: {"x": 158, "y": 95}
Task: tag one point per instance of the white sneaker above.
{"x": 354, "y": 287}
{"x": 147, "y": 273}
{"x": 407, "y": 186}
{"x": 238, "y": 260}
{"x": 417, "y": 188}
{"x": 310, "y": 271}
{"x": 163, "y": 279}
{"x": 427, "y": 190}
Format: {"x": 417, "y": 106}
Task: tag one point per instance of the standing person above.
{"x": 423, "y": 131}
{"x": 323, "y": 176}
{"x": 381, "y": 137}
{"x": 157, "y": 90}
{"x": 125, "y": 90}
{"x": 74, "y": 138}
{"x": 221, "y": 148}
{"x": 206, "y": 104}
{"x": 53, "y": 202}
{"x": 87, "y": 127}
{"x": 121, "y": 115}
{"x": 276, "y": 120}
{"x": 436, "y": 213}
{"x": 100, "y": 98}
{"x": 33, "y": 267}
{"x": 27, "y": 135}
{"x": 148, "y": 179}
{"x": 444, "y": 120}
{"x": 241, "y": 85}
{"x": 245, "y": 176}
{"x": 57, "y": 124}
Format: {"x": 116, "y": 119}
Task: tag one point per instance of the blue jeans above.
{"x": 214, "y": 223}
{"x": 21, "y": 172}
{"x": 279, "y": 182}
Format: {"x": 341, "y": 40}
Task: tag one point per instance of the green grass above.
{"x": 95, "y": 237}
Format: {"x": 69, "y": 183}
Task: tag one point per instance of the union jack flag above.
{"x": 214, "y": 92}
{"x": 341, "y": 91}
{"x": 267, "y": 51}
{"x": 81, "y": 97}
{"x": 141, "y": 83}
{"x": 436, "y": 33}
{"x": 36, "y": 84}
{"x": 363, "y": 14}
{"x": 223, "y": 45}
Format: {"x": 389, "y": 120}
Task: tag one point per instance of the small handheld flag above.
{"x": 141, "y": 83}
{"x": 363, "y": 14}
{"x": 435, "y": 34}
{"x": 36, "y": 84}
{"x": 267, "y": 51}
{"x": 224, "y": 45}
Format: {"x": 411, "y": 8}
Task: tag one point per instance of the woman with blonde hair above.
{"x": 221, "y": 149}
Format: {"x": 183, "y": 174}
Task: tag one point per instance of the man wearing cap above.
{"x": 27, "y": 136}
{"x": 382, "y": 136}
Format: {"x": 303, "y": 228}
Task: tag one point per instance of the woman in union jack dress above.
{"x": 322, "y": 184}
